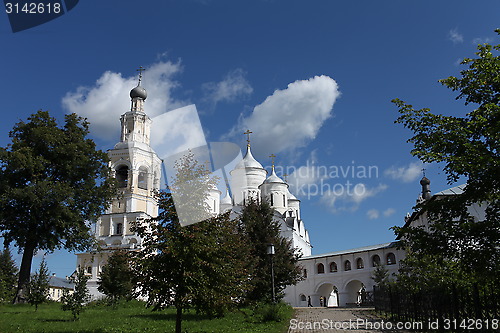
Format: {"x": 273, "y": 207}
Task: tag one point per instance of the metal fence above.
{"x": 448, "y": 308}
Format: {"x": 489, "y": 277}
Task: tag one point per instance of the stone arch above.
{"x": 133, "y": 242}
{"x": 303, "y": 300}
{"x": 390, "y": 259}
{"x": 122, "y": 175}
{"x": 330, "y": 294}
{"x": 359, "y": 263}
{"x": 351, "y": 290}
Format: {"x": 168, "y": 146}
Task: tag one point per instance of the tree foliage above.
{"x": 380, "y": 276}
{"x": 8, "y": 276}
{"x": 53, "y": 181}
{"x": 116, "y": 278}
{"x": 469, "y": 148}
{"x": 75, "y": 301}
{"x": 202, "y": 265}
{"x": 261, "y": 229}
{"x": 39, "y": 286}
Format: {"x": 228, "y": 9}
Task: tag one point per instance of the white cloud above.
{"x": 389, "y": 212}
{"x": 350, "y": 198}
{"x": 104, "y": 102}
{"x": 482, "y": 40}
{"x": 373, "y": 214}
{"x": 455, "y": 36}
{"x": 177, "y": 131}
{"x": 290, "y": 118}
{"x": 405, "y": 174}
{"x": 233, "y": 86}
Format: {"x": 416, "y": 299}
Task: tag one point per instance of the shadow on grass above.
{"x": 56, "y": 320}
{"x": 171, "y": 316}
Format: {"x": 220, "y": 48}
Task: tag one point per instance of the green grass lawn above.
{"x": 129, "y": 317}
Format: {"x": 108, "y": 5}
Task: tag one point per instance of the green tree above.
{"x": 39, "y": 286}
{"x": 380, "y": 276}
{"x": 8, "y": 275}
{"x": 469, "y": 148}
{"x": 53, "y": 181}
{"x": 261, "y": 229}
{"x": 202, "y": 265}
{"x": 116, "y": 278}
{"x": 75, "y": 301}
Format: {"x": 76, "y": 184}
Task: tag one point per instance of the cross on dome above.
{"x": 272, "y": 156}
{"x": 248, "y": 132}
{"x": 140, "y": 70}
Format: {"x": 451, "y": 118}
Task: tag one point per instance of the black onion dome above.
{"x": 425, "y": 181}
{"x": 138, "y": 92}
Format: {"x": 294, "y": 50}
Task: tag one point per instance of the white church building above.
{"x": 330, "y": 279}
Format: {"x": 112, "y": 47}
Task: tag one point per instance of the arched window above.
{"x": 305, "y": 273}
{"x": 142, "y": 178}
{"x": 391, "y": 259}
{"x": 122, "y": 176}
{"x": 272, "y": 199}
{"x": 360, "y": 264}
{"x": 119, "y": 229}
{"x": 303, "y": 298}
{"x": 321, "y": 268}
{"x": 333, "y": 267}
{"x": 284, "y": 200}
{"x": 375, "y": 260}
{"x": 347, "y": 265}
{"x": 89, "y": 270}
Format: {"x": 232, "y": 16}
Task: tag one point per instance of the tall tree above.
{"x": 116, "y": 278}
{"x": 8, "y": 275}
{"x": 53, "y": 181}
{"x": 39, "y": 286}
{"x": 261, "y": 229}
{"x": 469, "y": 148}
{"x": 202, "y": 265}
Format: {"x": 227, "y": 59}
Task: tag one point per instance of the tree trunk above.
{"x": 25, "y": 272}
{"x": 178, "y": 320}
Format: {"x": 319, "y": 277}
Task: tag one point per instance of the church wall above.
{"x": 345, "y": 281}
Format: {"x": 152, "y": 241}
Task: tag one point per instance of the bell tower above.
{"x": 137, "y": 169}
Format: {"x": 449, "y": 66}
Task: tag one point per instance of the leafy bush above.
{"x": 265, "y": 312}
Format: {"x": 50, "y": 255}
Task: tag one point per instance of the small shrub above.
{"x": 265, "y": 312}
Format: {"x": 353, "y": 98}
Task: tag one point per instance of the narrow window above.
{"x": 391, "y": 259}
{"x": 122, "y": 176}
{"x": 305, "y": 273}
{"x": 321, "y": 269}
{"x": 347, "y": 265}
{"x": 333, "y": 267}
{"x": 272, "y": 199}
{"x": 284, "y": 201}
{"x": 375, "y": 260}
{"x": 360, "y": 264}
{"x": 119, "y": 229}
{"x": 142, "y": 179}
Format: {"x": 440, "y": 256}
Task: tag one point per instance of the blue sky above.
{"x": 313, "y": 80}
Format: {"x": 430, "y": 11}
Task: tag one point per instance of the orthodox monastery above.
{"x": 331, "y": 279}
